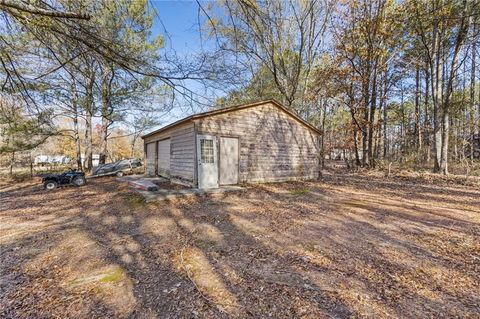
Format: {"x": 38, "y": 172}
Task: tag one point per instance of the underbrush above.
{"x": 459, "y": 174}
{"x": 134, "y": 200}
{"x": 21, "y": 174}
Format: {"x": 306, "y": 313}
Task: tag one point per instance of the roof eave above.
{"x": 184, "y": 120}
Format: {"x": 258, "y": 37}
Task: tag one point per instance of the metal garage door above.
{"x": 150, "y": 160}
{"x": 164, "y": 157}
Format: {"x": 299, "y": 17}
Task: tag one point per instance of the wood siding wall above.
{"x": 273, "y": 145}
{"x": 182, "y": 150}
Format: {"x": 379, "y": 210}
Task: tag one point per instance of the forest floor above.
{"x": 349, "y": 245}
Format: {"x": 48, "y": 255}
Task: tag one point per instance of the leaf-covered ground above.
{"x": 345, "y": 246}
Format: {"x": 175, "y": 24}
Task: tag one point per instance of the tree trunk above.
{"x": 474, "y": 22}
{"x": 76, "y": 137}
{"x": 365, "y": 124}
{"x": 434, "y": 63}
{"x": 12, "y": 162}
{"x": 322, "y": 138}
{"x": 473, "y": 127}
{"x": 88, "y": 161}
{"x": 426, "y": 126}
{"x": 355, "y": 147}
{"x": 89, "y": 108}
{"x": 76, "y": 132}
{"x": 134, "y": 140}
{"x": 365, "y": 107}
{"x": 385, "y": 118}
{"x": 403, "y": 126}
{"x": 380, "y": 109}
{"x": 445, "y": 140}
{"x": 103, "y": 142}
{"x": 30, "y": 159}
{"x": 371, "y": 120}
{"x": 418, "y": 131}
{"x": 107, "y": 77}
{"x": 462, "y": 32}
{"x": 437, "y": 96}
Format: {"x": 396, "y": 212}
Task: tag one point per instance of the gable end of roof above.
{"x": 232, "y": 109}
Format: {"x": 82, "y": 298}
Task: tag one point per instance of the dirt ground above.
{"x": 345, "y": 246}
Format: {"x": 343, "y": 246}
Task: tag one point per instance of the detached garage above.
{"x": 258, "y": 142}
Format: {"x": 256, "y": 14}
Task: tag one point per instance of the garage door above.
{"x": 150, "y": 160}
{"x": 164, "y": 157}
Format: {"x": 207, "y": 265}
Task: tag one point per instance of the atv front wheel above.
{"x": 79, "y": 181}
{"x": 50, "y": 185}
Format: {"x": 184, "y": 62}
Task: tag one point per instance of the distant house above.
{"x": 258, "y": 142}
{"x": 62, "y": 159}
{"x": 51, "y": 159}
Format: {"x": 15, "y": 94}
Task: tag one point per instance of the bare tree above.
{"x": 283, "y": 37}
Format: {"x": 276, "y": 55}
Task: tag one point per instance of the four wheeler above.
{"x": 71, "y": 177}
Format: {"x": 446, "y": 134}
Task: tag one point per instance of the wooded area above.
{"x": 386, "y": 81}
{"x": 371, "y": 112}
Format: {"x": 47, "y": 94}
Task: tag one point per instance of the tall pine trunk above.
{"x": 323, "y": 111}
{"x": 76, "y": 132}
{"x": 474, "y": 129}
{"x": 88, "y": 161}
{"x": 105, "y": 123}
{"x": 355, "y": 146}
{"x": 11, "y": 164}
{"x": 106, "y": 113}
{"x": 371, "y": 119}
{"x": 426, "y": 119}
{"x": 437, "y": 98}
{"x": 76, "y": 137}
{"x": 366, "y": 117}
{"x": 385, "y": 116}
{"x": 89, "y": 111}
{"x": 459, "y": 41}
{"x": 418, "y": 131}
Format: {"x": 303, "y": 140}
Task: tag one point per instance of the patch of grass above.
{"x": 113, "y": 277}
{"x": 204, "y": 244}
{"x": 134, "y": 200}
{"x": 300, "y": 191}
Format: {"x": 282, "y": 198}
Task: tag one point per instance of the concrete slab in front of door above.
{"x": 163, "y": 194}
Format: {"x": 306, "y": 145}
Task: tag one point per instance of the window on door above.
{"x": 206, "y": 151}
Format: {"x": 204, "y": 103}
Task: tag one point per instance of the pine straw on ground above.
{"x": 344, "y": 246}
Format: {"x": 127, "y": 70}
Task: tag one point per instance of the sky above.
{"x": 177, "y": 22}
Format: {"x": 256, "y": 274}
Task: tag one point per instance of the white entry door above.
{"x": 207, "y": 161}
{"x": 228, "y": 160}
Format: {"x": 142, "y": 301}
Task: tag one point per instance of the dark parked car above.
{"x": 72, "y": 177}
{"x": 117, "y": 167}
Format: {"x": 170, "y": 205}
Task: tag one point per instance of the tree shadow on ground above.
{"x": 264, "y": 252}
